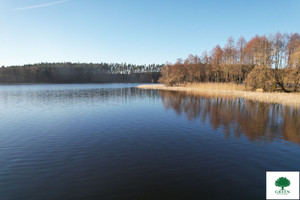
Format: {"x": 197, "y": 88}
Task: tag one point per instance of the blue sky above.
{"x": 132, "y": 31}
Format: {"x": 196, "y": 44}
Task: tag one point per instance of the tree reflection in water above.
{"x": 256, "y": 120}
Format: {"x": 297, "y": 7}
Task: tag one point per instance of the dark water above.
{"x": 111, "y": 141}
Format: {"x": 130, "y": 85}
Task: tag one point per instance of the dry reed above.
{"x": 230, "y": 90}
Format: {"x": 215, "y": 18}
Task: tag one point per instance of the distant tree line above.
{"x": 268, "y": 62}
{"x": 80, "y": 73}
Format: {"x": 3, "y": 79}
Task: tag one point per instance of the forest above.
{"x": 267, "y": 62}
{"x": 80, "y": 73}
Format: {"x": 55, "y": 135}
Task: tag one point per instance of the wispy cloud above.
{"x": 40, "y": 5}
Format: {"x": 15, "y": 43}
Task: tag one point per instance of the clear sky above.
{"x": 132, "y": 31}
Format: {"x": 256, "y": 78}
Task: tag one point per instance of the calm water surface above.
{"x": 113, "y": 141}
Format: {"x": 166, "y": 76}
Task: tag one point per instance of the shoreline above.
{"x": 228, "y": 90}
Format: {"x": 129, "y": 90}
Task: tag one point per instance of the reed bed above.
{"x": 230, "y": 90}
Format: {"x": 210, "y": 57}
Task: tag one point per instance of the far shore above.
{"x": 230, "y": 91}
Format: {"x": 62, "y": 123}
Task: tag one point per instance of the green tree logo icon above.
{"x": 282, "y": 182}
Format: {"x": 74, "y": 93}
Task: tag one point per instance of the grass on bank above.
{"x": 230, "y": 90}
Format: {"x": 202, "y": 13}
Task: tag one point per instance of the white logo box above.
{"x": 276, "y": 192}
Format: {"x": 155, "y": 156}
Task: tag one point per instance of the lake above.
{"x": 114, "y": 141}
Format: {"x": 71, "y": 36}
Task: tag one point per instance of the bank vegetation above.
{"x": 229, "y": 90}
{"x": 268, "y": 63}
